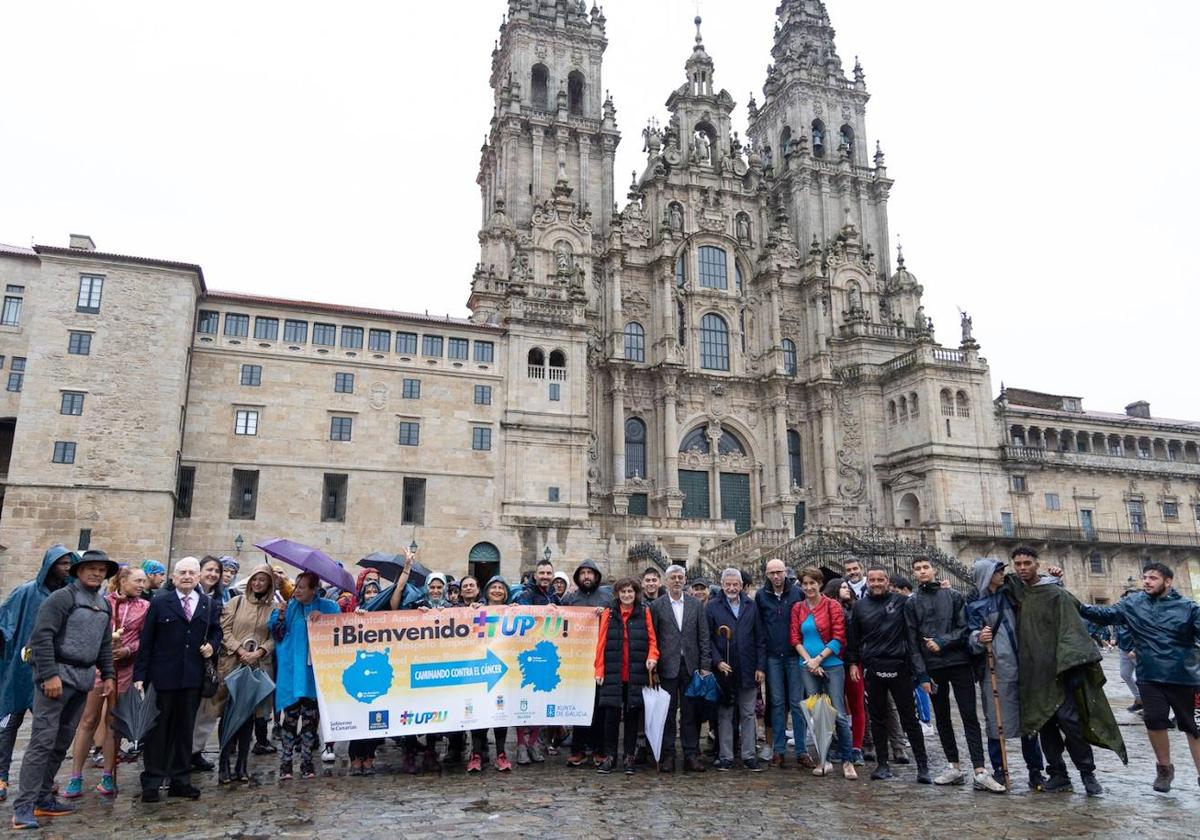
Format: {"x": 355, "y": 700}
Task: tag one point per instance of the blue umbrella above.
{"x": 390, "y": 566}
{"x": 309, "y": 559}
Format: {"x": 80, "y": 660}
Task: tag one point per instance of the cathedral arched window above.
{"x": 558, "y": 365}
{"x": 635, "y": 448}
{"x": 947, "y": 400}
{"x": 785, "y": 141}
{"x": 696, "y": 439}
{"x": 904, "y": 409}
{"x": 714, "y": 343}
{"x": 847, "y": 137}
{"x": 729, "y": 444}
{"x": 575, "y": 91}
{"x": 681, "y": 269}
{"x": 818, "y": 139}
{"x": 540, "y": 87}
{"x": 537, "y": 363}
{"x": 795, "y": 459}
{"x": 892, "y": 416}
{"x": 914, "y": 408}
{"x": 635, "y": 342}
{"x": 789, "y": 357}
{"x": 714, "y": 268}
{"x": 962, "y": 404}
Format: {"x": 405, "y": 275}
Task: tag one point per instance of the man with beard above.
{"x": 156, "y": 576}
{"x": 588, "y": 593}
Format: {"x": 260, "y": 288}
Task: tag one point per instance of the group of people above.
{"x": 86, "y": 630}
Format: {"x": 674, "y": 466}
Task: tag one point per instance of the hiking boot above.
{"x": 23, "y": 818}
{"x": 475, "y": 765}
{"x": 74, "y": 788}
{"x": 1037, "y": 782}
{"x": 1164, "y": 777}
{"x": 606, "y": 766}
{"x": 881, "y": 773}
{"x": 923, "y": 777}
{"x": 984, "y": 781}
{"x": 1091, "y": 784}
{"x": 1057, "y": 783}
{"x": 522, "y": 754}
{"x": 51, "y": 807}
{"x": 950, "y": 776}
{"x": 536, "y": 755}
{"x": 502, "y": 763}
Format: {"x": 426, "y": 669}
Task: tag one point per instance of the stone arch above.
{"x": 576, "y": 91}
{"x": 540, "y": 87}
{"x": 908, "y": 511}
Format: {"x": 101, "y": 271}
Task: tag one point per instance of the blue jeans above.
{"x": 786, "y": 689}
{"x": 834, "y": 685}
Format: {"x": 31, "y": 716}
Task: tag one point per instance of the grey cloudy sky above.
{"x": 329, "y": 152}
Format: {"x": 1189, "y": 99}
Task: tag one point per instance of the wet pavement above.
{"x": 552, "y": 800}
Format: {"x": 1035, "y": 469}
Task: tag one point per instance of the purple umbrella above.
{"x": 309, "y": 559}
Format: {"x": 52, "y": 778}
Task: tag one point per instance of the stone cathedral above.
{"x": 720, "y": 364}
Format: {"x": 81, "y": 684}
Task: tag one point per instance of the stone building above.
{"x": 727, "y": 367}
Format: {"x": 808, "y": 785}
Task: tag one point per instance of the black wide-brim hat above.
{"x": 94, "y": 556}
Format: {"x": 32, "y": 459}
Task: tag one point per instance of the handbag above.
{"x": 210, "y": 681}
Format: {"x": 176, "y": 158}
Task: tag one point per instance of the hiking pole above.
{"x": 991, "y": 664}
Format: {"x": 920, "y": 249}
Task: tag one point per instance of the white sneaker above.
{"x": 327, "y": 756}
{"x": 522, "y": 754}
{"x": 950, "y": 776}
{"x": 984, "y": 781}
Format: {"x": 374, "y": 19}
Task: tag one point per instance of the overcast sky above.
{"x": 329, "y": 152}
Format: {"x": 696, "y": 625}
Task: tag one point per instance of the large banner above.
{"x": 381, "y": 674}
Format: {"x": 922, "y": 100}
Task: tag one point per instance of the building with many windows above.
{"x": 728, "y": 367}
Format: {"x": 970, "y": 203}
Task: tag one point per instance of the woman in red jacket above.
{"x": 626, "y": 655}
{"x": 856, "y": 701}
{"x": 819, "y": 636}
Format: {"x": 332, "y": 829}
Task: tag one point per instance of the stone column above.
{"x": 617, "y": 393}
{"x": 670, "y": 434}
{"x": 782, "y": 461}
{"x": 714, "y": 470}
{"x": 617, "y": 349}
{"x": 585, "y": 154}
{"x": 828, "y": 447}
{"x": 776, "y": 331}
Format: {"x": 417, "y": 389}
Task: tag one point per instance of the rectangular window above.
{"x": 251, "y": 375}
{"x": 552, "y": 495}
{"x": 714, "y": 273}
{"x": 1053, "y": 502}
{"x": 325, "y": 335}
{"x": 406, "y": 343}
{"x": 379, "y": 341}
{"x": 343, "y": 383}
{"x": 79, "y": 344}
{"x": 90, "y": 288}
{"x": 352, "y": 338}
{"x": 410, "y": 433}
{"x": 243, "y": 495}
{"x": 295, "y": 332}
{"x": 64, "y": 452}
{"x": 1143, "y": 450}
{"x": 266, "y": 329}
{"x": 245, "y": 422}
{"x": 85, "y": 539}
{"x": 333, "y": 498}
{"x": 72, "y": 403}
{"x": 16, "y": 373}
{"x": 1096, "y": 563}
{"x": 485, "y": 351}
{"x": 412, "y": 511}
{"x": 483, "y": 395}
{"x": 208, "y": 322}
{"x": 1018, "y": 484}
{"x": 639, "y": 504}
{"x": 237, "y": 325}
{"x": 431, "y": 345}
{"x": 412, "y": 389}
{"x": 341, "y": 428}
{"x": 12, "y": 311}
{"x": 458, "y": 348}
{"x": 1170, "y": 510}
{"x": 555, "y": 392}
{"x": 481, "y": 438}
{"x": 1007, "y": 526}
{"x": 184, "y": 488}
{"x": 1137, "y": 517}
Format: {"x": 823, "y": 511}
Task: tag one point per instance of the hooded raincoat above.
{"x": 16, "y": 626}
{"x": 294, "y": 678}
{"x": 993, "y": 610}
{"x": 247, "y": 617}
{"x": 600, "y": 596}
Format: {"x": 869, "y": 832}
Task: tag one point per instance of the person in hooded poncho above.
{"x": 17, "y": 616}
{"x": 496, "y": 594}
{"x": 589, "y": 592}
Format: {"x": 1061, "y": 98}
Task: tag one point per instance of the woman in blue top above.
{"x": 295, "y": 685}
{"x": 819, "y": 636}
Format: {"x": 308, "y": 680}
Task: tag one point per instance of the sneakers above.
{"x": 848, "y": 771}
{"x": 606, "y": 766}
{"x": 881, "y": 773}
{"x": 630, "y": 765}
{"x": 475, "y": 765}
{"x": 23, "y": 818}
{"x": 923, "y": 777}
{"x": 1037, "y": 782}
{"x": 1056, "y": 784}
{"x": 824, "y": 769}
{"x": 535, "y": 753}
{"x": 522, "y": 754}
{"x": 575, "y": 760}
{"x": 107, "y": 786}
{"x": 1164, "y": 777}
{"x": 950, "y": 776}
{"x": 328, "y": 757}
{"x": 856, "y": 756}
{"x": 263, "y": 748}
{"x": 74, "y": 787}
{"x": 502, "y": 763}
{"x": 753, "y": 765}
{"x": 51, "y": 807}
{"x": 1091, "y": 784}
{"x": 723, "y": 764}
{"x": 984, "y": 781}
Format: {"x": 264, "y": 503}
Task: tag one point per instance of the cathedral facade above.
{"x": 721, "y": 364}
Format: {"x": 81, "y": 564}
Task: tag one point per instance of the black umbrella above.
{"x": 390, "y": 566}
{"x": 248, "y": 688}
{"x": 136, "y": 713}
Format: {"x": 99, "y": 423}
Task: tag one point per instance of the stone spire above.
{"x": 699, "y": 66}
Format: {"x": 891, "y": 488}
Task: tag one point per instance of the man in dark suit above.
{"x": 183, "y": 628}
{"x": 683, "y": 644}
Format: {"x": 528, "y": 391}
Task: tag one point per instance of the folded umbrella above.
{"x": 135, "y": 714}
{"x": 248, "y": 688}
{"x": 703, "y": 688}
{"x": 822, "y": 721}
{"x": 309, "y": 559}
{"x": 390, "y": 566}
{"x": 655, "y": 703}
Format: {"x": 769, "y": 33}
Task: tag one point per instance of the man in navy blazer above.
{"x": 739, "y": 655}
{"x": 182, "y": 629}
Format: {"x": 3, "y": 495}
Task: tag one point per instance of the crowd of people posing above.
{"x": 87, "y": 630}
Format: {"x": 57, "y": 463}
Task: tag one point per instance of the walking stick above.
{"x": 991, "y": 664}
